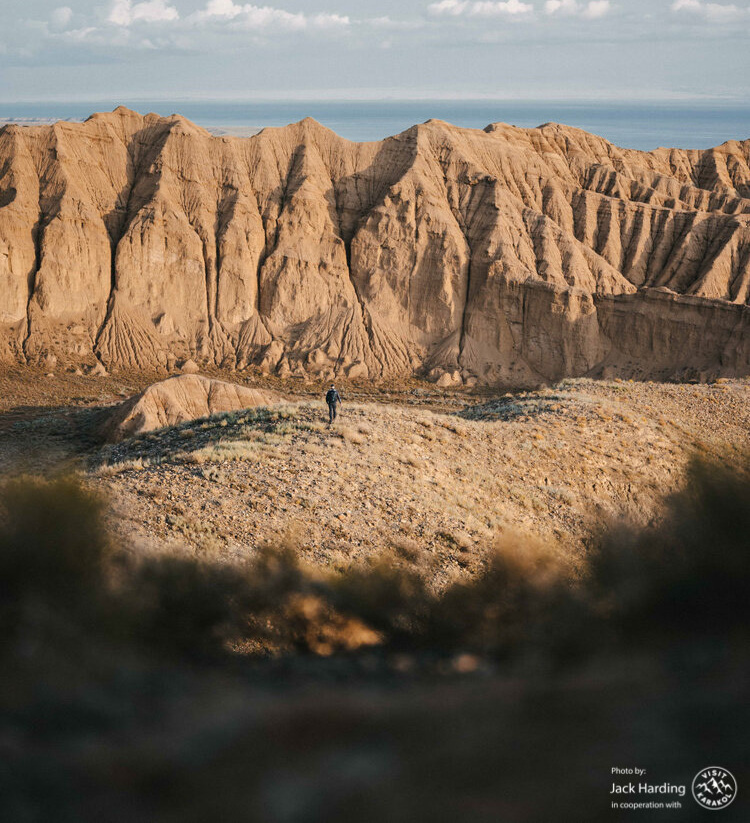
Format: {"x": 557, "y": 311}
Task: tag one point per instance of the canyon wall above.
{"x": 505, "y": 256}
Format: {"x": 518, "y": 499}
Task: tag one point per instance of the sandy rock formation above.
{"x": 505, "y": 255}
{"x": 179, "y": 399}
{"x": 189, "y": 367}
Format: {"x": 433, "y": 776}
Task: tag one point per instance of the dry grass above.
{"x": 351, "y": 435}
{"x": 554, "y": 462}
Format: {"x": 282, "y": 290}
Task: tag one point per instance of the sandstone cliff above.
{"x": 506, "y": 255}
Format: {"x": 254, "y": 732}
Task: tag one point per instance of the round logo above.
{"x": 714, "y": 788}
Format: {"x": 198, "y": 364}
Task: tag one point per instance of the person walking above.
{"x": 333, "y": 398}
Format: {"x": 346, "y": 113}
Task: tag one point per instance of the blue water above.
{"x": 632, "y": 125}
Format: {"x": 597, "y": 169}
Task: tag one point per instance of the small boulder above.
{"x": 435, "y": 374}
{"x": 98, "y": 370}
{"x": 357, "y": 371}
{"x": 165, "y": 325}
{"x": 283, "y": 369}
{"x": 271, "y": 357}
{"x": 317, "y": 358}
{"x": 189, "y": 366}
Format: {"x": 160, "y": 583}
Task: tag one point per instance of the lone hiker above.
{"x": 333, "y": 398}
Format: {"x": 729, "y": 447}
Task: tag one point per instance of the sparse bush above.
{"x": 396, "y": 602}
{"x": 562, "y": 494}
{"x": 307, "y": 622}
{"x": 184, "y": 606}
{"x": 232, "y": 450}
{"x": 689, "y": 575}
{"x": 287, "y": 608}
{"x": 52, "y": 541}
{"x": 406, "y": 547}
{"x": 458, "y": 539}
{"x": 111, "y": 470}
{"x": 351, "y": 435}
{"x": 56, "y": 562}
{"x": 526, "y": 600}
{"x": 212, "y": 473}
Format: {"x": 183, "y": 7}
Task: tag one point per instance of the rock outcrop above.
{"x": 179, "y": 399}
{"x": 506, "y": 255}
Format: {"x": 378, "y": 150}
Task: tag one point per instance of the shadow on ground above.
{"x": 172, "y": 689}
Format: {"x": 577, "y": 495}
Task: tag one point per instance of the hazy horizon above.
{"x": 639, "y": 125}
{"x": 345, "y": 97}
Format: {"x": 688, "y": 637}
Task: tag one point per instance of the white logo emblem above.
{"x": 714, "y": 788}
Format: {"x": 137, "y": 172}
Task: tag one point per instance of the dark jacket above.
{"x": 332, "y": 396}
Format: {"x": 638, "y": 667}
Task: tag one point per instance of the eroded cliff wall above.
{"x": 505, "y": 255}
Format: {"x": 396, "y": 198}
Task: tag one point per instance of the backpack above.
{"x": 331, "y": 396}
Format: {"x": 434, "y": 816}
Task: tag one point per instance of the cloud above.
{"x": 561, "y": 6}
{"x": 125, "y": 12}
{"x": 128, "y": 26}
{"x": 61, "y": 17}
{"x": 716, "y": 12}
{"x": 328, "y": 21}
{"x": 591, "y": 11}
{"x": 220, "y": 8}
{"x": 596, "y": 9}
{"x": 249, "y": 16}
{"x": 387, "y": 22}
{"x": 477, "y": 8}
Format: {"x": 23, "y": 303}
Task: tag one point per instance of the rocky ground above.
{"x": 429, "y": 477}
{"x": 109, "y": 711}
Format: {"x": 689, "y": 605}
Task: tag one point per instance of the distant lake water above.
{"x": 632, "y": 125}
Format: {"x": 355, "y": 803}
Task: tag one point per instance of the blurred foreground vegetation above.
{"x": 147, "y": 688}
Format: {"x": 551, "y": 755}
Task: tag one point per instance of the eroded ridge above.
{"x": 505, "y": 255}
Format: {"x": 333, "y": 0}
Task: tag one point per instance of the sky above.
{"x": 358, "y": 49}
